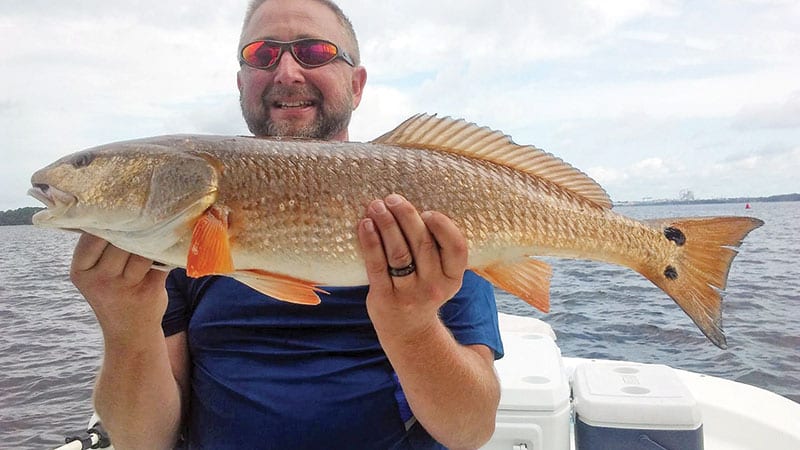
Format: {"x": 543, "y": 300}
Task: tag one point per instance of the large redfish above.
{"x": 280, "y": 215}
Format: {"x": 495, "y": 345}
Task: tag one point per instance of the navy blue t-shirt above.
{"x": 269, "y": 374}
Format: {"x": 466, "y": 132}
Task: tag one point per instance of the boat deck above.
{"x": 735, "y": 416}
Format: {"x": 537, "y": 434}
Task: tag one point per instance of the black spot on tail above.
{"x": 675, "y": 235}
{"x": 671, "y": 273}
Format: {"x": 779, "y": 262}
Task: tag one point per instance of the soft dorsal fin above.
{"x": 468, "y": 139}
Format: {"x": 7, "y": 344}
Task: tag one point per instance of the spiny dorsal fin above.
{"x": 468, "y": 139}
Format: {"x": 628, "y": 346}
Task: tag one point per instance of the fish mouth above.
{"x": 56, "y": 201}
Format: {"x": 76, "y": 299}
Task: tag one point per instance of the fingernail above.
{"x": 369, "y": 225}
{"x": 378, "y": 207}
{"x": 426, "y": 215}
{"x": 394, "y": 200}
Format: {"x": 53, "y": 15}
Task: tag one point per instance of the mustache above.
{"x": 281, "y": 92}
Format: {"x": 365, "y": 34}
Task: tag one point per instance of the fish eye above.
{"x": 82, "y": 160}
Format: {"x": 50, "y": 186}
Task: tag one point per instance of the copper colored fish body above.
{"x": 280, "y": 215}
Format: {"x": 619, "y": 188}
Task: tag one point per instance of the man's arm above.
{"x": 452, "y": 389}
{"x": 138, "y": 394}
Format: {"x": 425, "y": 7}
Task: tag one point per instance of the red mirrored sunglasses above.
{"x": 309, "y": 53}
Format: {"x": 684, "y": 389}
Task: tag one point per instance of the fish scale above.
{"x": 280, "y": 215}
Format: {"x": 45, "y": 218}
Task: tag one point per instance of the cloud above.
{"x": 774, "y": 160}
{"x": 762, "y": 172}
{"x": 607, "y": 176}
{"x": 757, "y": 173}
{"x": 126, "y": 69}
{"x": 775, "y": 115}
{"x": 382, "y": 109}
{"x": 211, "y": 114}
{"x": 650, "y": 167}
{"x": 653, "y": 176}
{"x": 196, "y": 14}
{"x": 419, "y": 36}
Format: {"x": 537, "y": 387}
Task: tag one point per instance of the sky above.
{"x": 648, "y": 97}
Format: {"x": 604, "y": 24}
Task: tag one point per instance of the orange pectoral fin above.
{"x": 528, "y": 279}
{"x": 281, "y": 287}
{"x": 210, "y": 249}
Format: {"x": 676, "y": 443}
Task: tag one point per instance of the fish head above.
{"x": 133, "y": 186}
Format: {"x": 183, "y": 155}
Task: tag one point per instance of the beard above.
{"x": 332, "y": 116}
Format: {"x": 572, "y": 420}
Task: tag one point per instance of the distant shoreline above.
{"x": 22, "y": 216}
{"x": 711, "y": 201}
{"x": 19, "y": 216}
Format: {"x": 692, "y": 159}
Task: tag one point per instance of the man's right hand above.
{"x": 144, "y": 376}
{"x": 126, "y": 294}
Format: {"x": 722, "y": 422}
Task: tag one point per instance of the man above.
{"x": 402, "y": 363}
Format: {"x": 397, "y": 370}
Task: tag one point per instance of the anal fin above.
{"x": 528, "y": 279}
{"x": 281, "y": 287}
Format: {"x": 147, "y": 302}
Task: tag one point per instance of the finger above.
{"x": 137, "y": 268}
{"x": 156, "y": 276}
{"x": 398, "y": 254}
{"x": 87, "y": 252}
{"x": 423, "y": 247}
{"x": 113, "y": 261}
{"x": 452, "y": 244}
{"x": 374, "y": 256}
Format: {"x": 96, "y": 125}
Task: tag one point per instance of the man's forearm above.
{"x": 136, "y": 395}
{"x": 452, "y": 389}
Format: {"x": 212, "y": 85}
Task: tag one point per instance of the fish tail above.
{"x": 699, "y": 270}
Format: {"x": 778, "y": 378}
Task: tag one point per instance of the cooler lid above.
{"x": 620, "y": 394}
{"x": 532, "y": 376}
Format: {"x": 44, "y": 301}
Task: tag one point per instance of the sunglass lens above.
{"x": 315, "y": 53}
{"x": 261, "y": 54}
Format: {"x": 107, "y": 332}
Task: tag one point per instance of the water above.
{"x": 50, "y": 344}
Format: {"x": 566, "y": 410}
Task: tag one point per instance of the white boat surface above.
{"x": 734, "y": 415}
{"x": 541, "y": 401}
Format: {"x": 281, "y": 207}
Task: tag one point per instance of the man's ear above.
{"x": 359, "y": 80}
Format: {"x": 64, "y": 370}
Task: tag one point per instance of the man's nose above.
{"x": 288, "y": 70}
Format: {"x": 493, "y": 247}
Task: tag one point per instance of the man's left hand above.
{"x": 395, "y": 235}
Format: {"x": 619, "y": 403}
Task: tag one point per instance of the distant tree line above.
{"x": 21, "y": 216}
{"x": 686, "y": 201}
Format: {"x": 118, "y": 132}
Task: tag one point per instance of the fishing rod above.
{"x": 94, "y": 437}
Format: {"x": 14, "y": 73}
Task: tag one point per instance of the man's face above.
{"x": 289, "y": 100}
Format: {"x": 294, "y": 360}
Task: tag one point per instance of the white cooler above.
{"x": 534, "y": 412}
{"x": 628, "y": 406}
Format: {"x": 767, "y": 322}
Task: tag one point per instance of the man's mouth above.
{"x": 293, "y": 104}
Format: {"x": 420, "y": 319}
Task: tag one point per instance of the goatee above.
{"x": 331, "y": 119}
